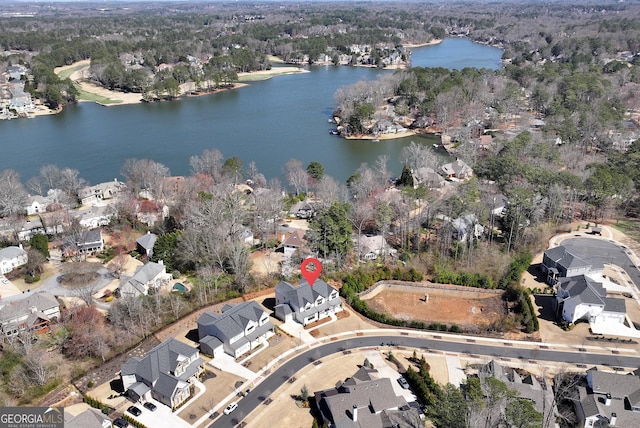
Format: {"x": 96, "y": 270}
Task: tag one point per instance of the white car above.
{"x": 230, "y": 408}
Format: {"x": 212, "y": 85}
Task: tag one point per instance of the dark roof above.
{"x": 612, "y": 304}
{"x": 583, "y": 288}
{"x": 147, "y": 241}
{"x": 562, "y": 257}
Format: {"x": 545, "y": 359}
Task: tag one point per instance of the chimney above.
{"x": 355, "y": 413}
{"x": 607, "y": 401}
{"x": 614, "y": 417}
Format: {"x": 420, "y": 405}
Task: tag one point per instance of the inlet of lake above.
{"x": 268, "y": 122}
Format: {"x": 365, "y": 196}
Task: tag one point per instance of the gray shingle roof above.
{"x": 90, "y": 418}
{"x": 612, "y": 304}
{"x": 9, "y": 253}
{"x": 147, "y": 241}
{"x": 233, "y": 320}
{"x": 583, "y": 288}
{"x": 41, "y": 301}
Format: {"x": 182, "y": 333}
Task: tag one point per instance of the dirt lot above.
{"x": 219, "y": 384}
{"x": 447, "y": 306}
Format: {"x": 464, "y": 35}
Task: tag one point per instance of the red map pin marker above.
{"x": 312, "y": 275}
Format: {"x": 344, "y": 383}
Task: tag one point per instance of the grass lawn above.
{"x": 630, "y": 227}
{"x": 69, "y": 71}
{"x": 89, "y": 96}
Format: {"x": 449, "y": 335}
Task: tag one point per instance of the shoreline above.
{"x": 91, "y": 92}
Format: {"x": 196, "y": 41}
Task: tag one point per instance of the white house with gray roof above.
{"x": 91, "y": 195}
{"x": 11, "y": 258}
{"x": 167, "y": 373}
{"x": 558, "y": 263}
{"x": 33, "y": 313}
{"x": 150, "y": 277}
{"x": 89, "y": 418}
{"x": 306, "y": 304}
{"x": 612, "y": 399}
{"x": 236, "y": 331}
{"x": 582, "y": 298}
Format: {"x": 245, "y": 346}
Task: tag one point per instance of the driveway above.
{"x": 599, "y": 251}
{"x": 162, "y": 417}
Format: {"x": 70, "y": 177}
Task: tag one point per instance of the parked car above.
{"x": 150, "y": 406}
{"x": 230, "y": 408}
{"x": 120, "y": 423}
{"x": 403, "y": 382}
{"x": 134, "y": 411}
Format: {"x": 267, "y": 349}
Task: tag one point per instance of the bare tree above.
{"x": 297, "y": 177}
{"x": 209, "y": 163}
{"x": 145, "y": 174}
{"x": 13, "y": 197}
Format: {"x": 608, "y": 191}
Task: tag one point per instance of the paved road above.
{"x": 52, "y": 285}
{"x": 289, "y": 368}
{"x": 599, "y": 251}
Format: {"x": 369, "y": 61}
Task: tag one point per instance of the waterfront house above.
{"x": 306, "y": 304}
{"x": 428, "y": 177}
{"x": 33, "y": 313}
{"x": 166, "y": 373}
{"x": 457, "y": 169}
{"x": 236, "y": 331}
{"x": 11, "y": 258}
{"x": 92, "y": 195}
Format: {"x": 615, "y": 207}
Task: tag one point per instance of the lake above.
{"x": 268, "y": 122}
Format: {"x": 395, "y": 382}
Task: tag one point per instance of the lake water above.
{"x": 268, "y": 122}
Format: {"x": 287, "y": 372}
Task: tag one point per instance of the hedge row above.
{"x": 477, "y": 280}
{"x": 360, "y": 280}
{"x": 97, "y": 404}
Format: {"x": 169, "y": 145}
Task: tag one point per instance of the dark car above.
{"x": 120, "y": 423}
{"x": 134, "y": 411}
{"x": 149, "y": 406}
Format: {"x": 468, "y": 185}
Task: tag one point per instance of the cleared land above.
{"x": 445, "y": 305}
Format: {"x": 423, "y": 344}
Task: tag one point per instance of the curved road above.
{"x": 292, "y": 366}
{"x": 599, "y": 251}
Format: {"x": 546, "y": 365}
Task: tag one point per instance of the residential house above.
{"x": 466, "y": 227}
{"x": 11, "y": 258}
{"x": 526, "y": 386}
{"x": 95, "y": 216}
{"x": 302, "y": 209}
{"x": 292, "y": 242}
{"x": 365, "y": 401}
{"x": 20, "y": 101}
{"x": 89, "y": 418}
{"x": 148, "y": 278}
{"x": 16, "y": 72}
{"x": 145, "y": 243}
{"x": 91, "y": 195}
{"x": 498, "y": 205}
{"x": 306, "y": 304}
{"x": 166, "y": 373}
{"x": 372, "y": 247}
{"x": 151, "y": 212}
{"x": 558, "y": 263}
{"x": 611, "y": 399}
{"x": 582, "y": 298}
{"x": 236, "y": 331}
{"x": 84, "y": 243}
{"x": 428, "y": 177}
{"x": 40, "y": 204}
{"x": 246, "y": 236}
{"x": 458, "y": 170}
{"x": 33, "y": 313}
